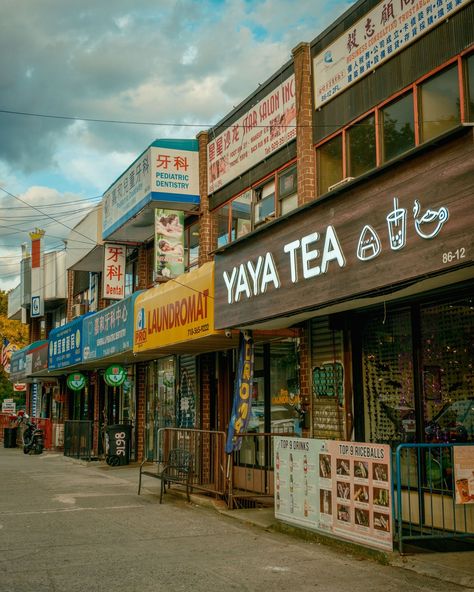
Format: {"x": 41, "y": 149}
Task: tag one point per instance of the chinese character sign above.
{"x": 261, "y": 131}
{"x": 384, "y": 31}
{"x": 169, "y": 243}
{"x": 114, "y": 271}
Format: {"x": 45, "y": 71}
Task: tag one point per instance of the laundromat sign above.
{"x": 350, "y": 245}
{"x": 176, "y": 311}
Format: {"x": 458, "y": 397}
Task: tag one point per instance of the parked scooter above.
{"x": 32, "y": 435}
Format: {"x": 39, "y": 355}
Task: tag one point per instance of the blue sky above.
{"x": 175, "y": 61}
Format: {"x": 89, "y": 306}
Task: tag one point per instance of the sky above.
{"x": 177, "y": 65}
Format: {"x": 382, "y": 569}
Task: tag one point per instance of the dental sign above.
{"x": 353, "y": 243}
{"x": 383, "y": 32}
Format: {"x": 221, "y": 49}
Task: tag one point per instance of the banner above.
{"x": 241, "y": 409}
{"x": 114, "y": 271}
{"x": 169, "y": 243}
{"x": 7, "y": 349}
{"x": 340, "y": 488}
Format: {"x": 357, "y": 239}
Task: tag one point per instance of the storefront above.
{"x": 174, "y": 331}
{"x": 107, "y": 354}
{"x": 383, "y": 280}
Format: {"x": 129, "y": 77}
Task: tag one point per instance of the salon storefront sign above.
{"x": 380, "y": 234}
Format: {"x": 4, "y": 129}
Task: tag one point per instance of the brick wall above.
{"x": 142, "y": 267}
{"x": 304, "y": 120}
{"x": 208, "y": 223}
{"x": 140, "y": 377}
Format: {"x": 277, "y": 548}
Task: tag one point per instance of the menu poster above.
{"x": 464, "y": 474}
{"x": 341, "y": 488}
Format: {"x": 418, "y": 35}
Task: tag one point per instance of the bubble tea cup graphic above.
{"x": 397, "y": 226}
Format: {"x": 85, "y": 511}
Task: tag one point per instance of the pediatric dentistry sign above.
{"x": 384, "y": 31}
{"x": 167, "y": 172}
{"x": 352, "y": 244}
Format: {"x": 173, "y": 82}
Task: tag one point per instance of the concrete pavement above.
{"x": 71, "y": 526}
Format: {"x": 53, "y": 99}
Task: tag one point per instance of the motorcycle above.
{"x": 32, "y": 436}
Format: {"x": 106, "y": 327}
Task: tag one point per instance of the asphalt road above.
{"x": 68, "y": 526}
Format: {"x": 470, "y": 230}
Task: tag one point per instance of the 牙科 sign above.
{"x": 114, "y": 271}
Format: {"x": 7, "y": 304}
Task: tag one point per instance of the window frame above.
{"x": 460, "y": 60}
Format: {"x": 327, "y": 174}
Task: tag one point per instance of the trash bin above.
{"x": 9, "y": 437}
{"x": 117, "y": 444}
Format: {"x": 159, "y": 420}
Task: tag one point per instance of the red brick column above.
{"x": 142, "y": 267}
{"x": 140, "y": 386}
{"x": 35, "y": 330}
{"x": 305, "y": 375}
{"x": 304, "y": 121}
{"x": 208, "y": 223}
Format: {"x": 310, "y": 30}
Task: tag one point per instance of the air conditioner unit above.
{"x": 340, "y": 183}
{"x": 79, "y": 309}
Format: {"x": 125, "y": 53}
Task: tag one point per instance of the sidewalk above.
{"x": 450, "y": 567}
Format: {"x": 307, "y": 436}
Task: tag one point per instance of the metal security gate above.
{"x": 425, "y": 492}
{"x": 78, "y": 439}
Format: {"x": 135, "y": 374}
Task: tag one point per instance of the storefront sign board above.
{"x": 65, "y": 345}
{"x": 261, "y": 131}
{"x": 177, "y": 311}
{"x": 386, "y": 30}
{"x": 18, "y": 364}
{"x": 167, "y": 171}
{"x": 389, "y": 230}
{"x": 113, "y": 274}
{"x": 109, "y": 331}
{"x": 463, "y": 457}
{"x": 169, "y": 243}
{"x": 39, "y": 356}
{"x": 339, "y": 488}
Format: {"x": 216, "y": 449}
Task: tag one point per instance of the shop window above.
{"x": 469, "y": 70}
{"x": 191, "y": 246}
{"x": 398, "y": 127}
{"x": 388, "y": 380}
{"x": 287, "y": 190}
{"x": 241, "y": 215}
{"x": 131, "y": 276}
{"x": 361, "y": 147}
{"x": 222, "y": 226}
{"x": 329, "y": 158}
{"x": 447, "y": 333}
{"x": 264, "y": 205}
{"x": 439, "y": 104}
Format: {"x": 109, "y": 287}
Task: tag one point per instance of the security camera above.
{"x": 228, "y": 333}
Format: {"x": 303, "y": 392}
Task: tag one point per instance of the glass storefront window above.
{"x": 264, "y": 207}
{"x": 241, "y": 215}
{"x": 222, "y": 226}
{"x": 447, "y": 333}
{"x": 361, "y": 147}
{"x": 469, "y": 70}
{"x": 398, "y": 127}
{"x": 287, "y": 190}
{"x": 191, "y": 246}
{"x": 439, "y": 104}
{"x": 387, "y": 366}
{"x": 284, "y": 388}
{"x": 329, "y": 158}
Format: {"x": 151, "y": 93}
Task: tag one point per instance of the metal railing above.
{"x": 424, "y": 484}
{"x": 78, "y": 439}
{"x": 208, "y": 450}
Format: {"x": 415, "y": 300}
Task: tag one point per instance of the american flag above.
{"x": 7, "y": 349}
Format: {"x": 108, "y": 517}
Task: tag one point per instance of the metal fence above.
{"x": 78, "y": 439}
{"x": 424, "y": 484}
{"x": 208, "y": 450}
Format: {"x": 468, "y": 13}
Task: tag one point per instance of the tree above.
{"x": 16, "y": 333}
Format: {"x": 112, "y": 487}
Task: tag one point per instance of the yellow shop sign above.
{"x": 178, "y": 311}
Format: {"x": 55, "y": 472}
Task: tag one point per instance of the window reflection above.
{"x": 361, "y": 146}
{"x": 398, "y": 127}
{"x": 440, "y": 106}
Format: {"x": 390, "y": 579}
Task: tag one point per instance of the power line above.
{"x": 47, "y": 215}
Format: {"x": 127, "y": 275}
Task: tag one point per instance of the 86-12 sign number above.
{"x": 456, "y": 255}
